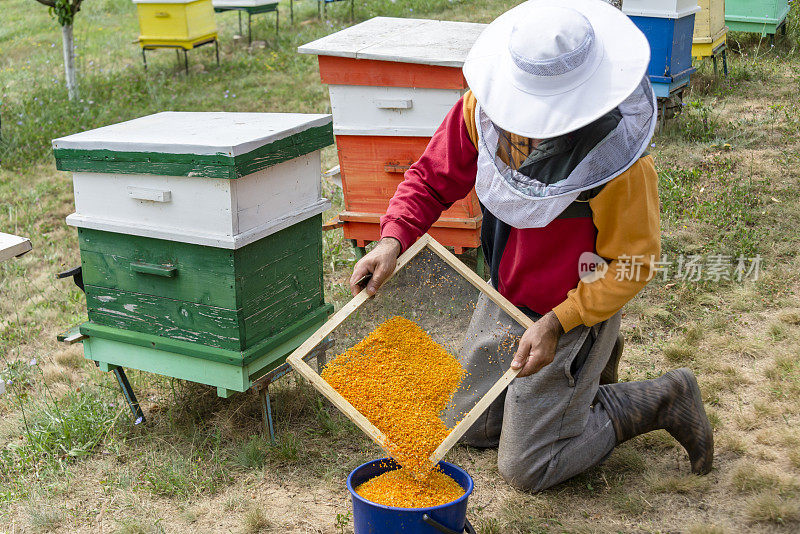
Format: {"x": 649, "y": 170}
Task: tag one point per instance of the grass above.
{"x": 71, "y": 461}
{"x": 255, "y": 522}
{"x": 769, "y": 507}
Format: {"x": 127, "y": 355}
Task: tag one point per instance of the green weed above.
{"x": 253, "y": 453}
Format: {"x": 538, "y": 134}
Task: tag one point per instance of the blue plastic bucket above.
{"x": 373, "y": 518}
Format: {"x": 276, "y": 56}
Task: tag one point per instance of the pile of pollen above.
{"x": 400, "y": 379}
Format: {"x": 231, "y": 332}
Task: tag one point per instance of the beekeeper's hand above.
{"x": 537, "y": 346}
{"x": 379, "y": 262}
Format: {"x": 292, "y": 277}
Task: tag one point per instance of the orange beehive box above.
{"x": 391, "y": 83}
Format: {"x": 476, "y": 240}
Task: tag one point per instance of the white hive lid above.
{"x": 666, "y": 9}
{"x": 200, "y": 133}
{"x": 428, "y": 42}
{"x": 243, "y": 3}
{"x": 12, "y": 245}
{"x": 163, "y": 1}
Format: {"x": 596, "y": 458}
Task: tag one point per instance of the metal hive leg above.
{"x": 130, "y": 396}
{"x": 266, "y": 412}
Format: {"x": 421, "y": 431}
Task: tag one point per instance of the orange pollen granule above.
{"x": 400, "y": 488}
{"x": 401, "y": 380}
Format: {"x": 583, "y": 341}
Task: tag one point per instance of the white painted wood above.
{"x": 364, "y": 110}
{"x": 199, "y": 238}
{"x": 278, "y": 191}
{"x": 276, "y": 225}
{"x": 202, "y": 133}
{"x": 667, "y": 9}
{"x": 243, "y": 3}
{"x": 397, "y": 103}
{"x": 13, "y": 245}
{"x": 334, "y": 174}
{"x": 211, "y": 211}
{"x": 164, "y": 1}
{"x": 202, "y": 206}
{"x": 428, "y": 42}
{"x": 155, "y": 195}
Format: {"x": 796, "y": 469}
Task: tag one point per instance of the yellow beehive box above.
{"x": 709, "y": 28}
{"x": 709, "y": 23}
{"x": 181, "y": 23}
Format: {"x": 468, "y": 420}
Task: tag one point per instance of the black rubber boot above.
{"x": 610, "y": 374}
{"x": 672, "y": 402}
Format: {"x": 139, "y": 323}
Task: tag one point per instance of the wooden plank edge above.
{"x": 195, "y": 165}
{"x": 466, "y": 423}
{"x": 337, "y": 400}
{"x": 471, "y": 223}
{"x": 230, "y": 357}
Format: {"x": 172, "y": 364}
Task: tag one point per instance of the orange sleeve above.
{"x": 470, "y": 103}
{"x": 626, "y": 215}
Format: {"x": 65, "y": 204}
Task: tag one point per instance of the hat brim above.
{"x": 625, "y": 57}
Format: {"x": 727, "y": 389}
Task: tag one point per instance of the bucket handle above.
{"x": 445, "y": 530}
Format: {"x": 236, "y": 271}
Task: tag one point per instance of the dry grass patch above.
{"x": 254, "y": 522}
{"x": 44, "y": 517}
{"x": 681, "y": 484}
{"x": 626, "y": 459}
{"x": 794, "y": 457}
{"x": 706, "y": 529}
{"x": 749, "y": 478}
{"x": 660, "y": 440}
{"x": 731, "y": 442}
{"x": 679, "y": 353}
{"x": 791, "y": 317}
{"x": 71, "y": 358}
{"x": 778, "y": 331}
{"x": 747, "y": 421}
{"x": 770, "y": 507}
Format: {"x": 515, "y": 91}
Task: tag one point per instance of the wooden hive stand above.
{"x": 201, "y": 242}
{"x": 182, "y": 25}
{"x": 391, "y": 83}
{"x": 250, "y": 7}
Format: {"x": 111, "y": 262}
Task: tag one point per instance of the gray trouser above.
{"x": 544, "y": 425}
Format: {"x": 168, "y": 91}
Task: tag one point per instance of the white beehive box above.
{"x": 409, "y": 81}
{"x": 216, "y": 179}
{"x": 670, "y": 9}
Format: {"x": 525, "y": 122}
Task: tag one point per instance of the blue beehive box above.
{"x": 669, "y": 28}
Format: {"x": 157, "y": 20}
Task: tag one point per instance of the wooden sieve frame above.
{"x": 425, "y": 242}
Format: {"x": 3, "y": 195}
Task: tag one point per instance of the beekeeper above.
{"x": 553, "y": 136}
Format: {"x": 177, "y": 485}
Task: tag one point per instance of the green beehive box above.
{"x": 756, "y": 16}
{"x": 201, "y": 241}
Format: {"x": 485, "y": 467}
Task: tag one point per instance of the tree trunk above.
{"x": 69, "y": 61}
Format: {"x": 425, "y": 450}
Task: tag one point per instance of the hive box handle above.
{"x": 167, "y": 271}
{"x": 392, "y": 167}
{"x": 394, "y": 103}
{"x": 154, "y": 195}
